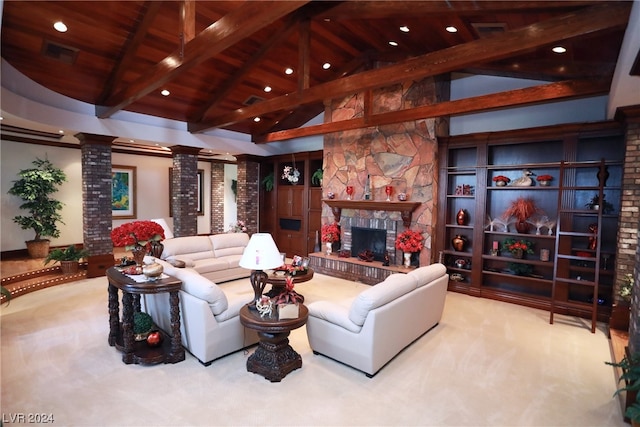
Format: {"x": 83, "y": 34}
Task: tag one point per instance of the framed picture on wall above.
{"x": 200, "y": 191}
{"x": 123, "y": 192}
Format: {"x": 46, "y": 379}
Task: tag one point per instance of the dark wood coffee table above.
{"x": 274, "y": 358}
{"x": 121, "y": 333}
{"x": 278, "y": 281}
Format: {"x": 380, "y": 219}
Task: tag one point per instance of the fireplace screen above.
{"x": 372, "y": 239}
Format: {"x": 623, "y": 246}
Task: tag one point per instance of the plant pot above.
{"x": 501, "y": 183}
{"x": 288, "y": 311}
{"x": 69, "y": 267}
{"x": 407, "y": 259}
{"x": 38, "y": 248}
{"x": 156, "y": 249}
{"x": 517, "y": 253}
{"x": 523, "y": 227}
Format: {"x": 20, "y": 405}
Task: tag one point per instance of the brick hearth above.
{"x": 369, "y": 273}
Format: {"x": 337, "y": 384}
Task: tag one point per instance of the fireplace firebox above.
{"x": 372, "y": 239}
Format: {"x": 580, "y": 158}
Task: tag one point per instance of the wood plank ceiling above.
{"x": 216, "y": 57}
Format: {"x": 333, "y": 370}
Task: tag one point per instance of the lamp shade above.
{"x": 261, "y": 253}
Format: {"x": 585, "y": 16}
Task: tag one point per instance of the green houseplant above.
{"x": 34, "y": 188}
{"x": 69, "y": 258}
{"x": 142, "y": 325}
{"x": 316, "y": 178}
{"x": 630, "y": 365}
{"x": 594, "y": 204}
{"x": 267, "y": 182}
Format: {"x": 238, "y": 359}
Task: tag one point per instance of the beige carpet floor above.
{"x": 487, "y": 363}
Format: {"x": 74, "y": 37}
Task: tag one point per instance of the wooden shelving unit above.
{"x": 574, "y": 279}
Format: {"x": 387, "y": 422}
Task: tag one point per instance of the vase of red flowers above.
{"x": 409, "y": 242}
{"x": 501, "y": 180}
{"x": 544, "y": 180}
{"x": 137, "y": 236}
{"x": 517, "y": 248}
{"x": 330, "y": 234}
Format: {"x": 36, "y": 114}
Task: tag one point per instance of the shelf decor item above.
{"x": 388, "y": 190}
{"x": 329, "y": 234}
{"x": 136, "y": 237}
{"x": 544, "y": 180}
{"x": 402, "y": 197}
{"x": 521, "y": 209}
{"x": 501, "y": 180}
{"x": 459, "y": 242}
{"x": 409, "y": 241}
{"x": 525, "y": 180}
{"x": 291, "y": 174}
{"x": 517, "y": 248}
{"x": 594, "y": 204}
{"x": 462, "y": 217}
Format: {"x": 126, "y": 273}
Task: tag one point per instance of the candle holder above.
{"x": 388, "y": 190}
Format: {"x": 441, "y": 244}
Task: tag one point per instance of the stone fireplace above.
{"x": 377, "y": 235}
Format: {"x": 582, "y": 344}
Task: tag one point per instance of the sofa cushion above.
{"x": 229, "y": 243}
{"x": 203, "y": 288}
{"x": 428, "y": 273}
{"x": 388, "y": 290}
{"x": 333, "y": 312}
{"x": 211, "y": 264}
{"x": 193, "y": 247}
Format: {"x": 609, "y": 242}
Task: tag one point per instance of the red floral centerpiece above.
{"x": 137, "y": 236}
{"x": 409, "y": 241}
{"x": 330, "y": 233}
{"x": 289, "y": 296}
{"x": 517, "y": 248}
{"x": 544, "y": 179}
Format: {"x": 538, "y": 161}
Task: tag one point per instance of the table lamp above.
{"x": 260, "y": 254}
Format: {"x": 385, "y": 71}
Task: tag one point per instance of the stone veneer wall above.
{"x": 248, "y": 192}
{"x": 628, "y": 236}
{"x": 184, "y": 200}
{"x": 402, "y": 155}
{"x": 217, "y": 198}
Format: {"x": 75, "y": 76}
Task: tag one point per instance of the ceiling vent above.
{"x": 60, "y": 52}
{"x": 486, "y": 29}
{"x": 252, "y": 100}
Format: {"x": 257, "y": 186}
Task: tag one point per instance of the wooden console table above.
{"x": 274, "y": 358}
{"x": 121, "y": 333}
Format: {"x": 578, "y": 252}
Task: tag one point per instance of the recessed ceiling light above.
{"x": 404, "y": 29}
{"x": 59, "y": 26}
{"x": 267, "y": 88}
{"x": 392, "y": 43}
{"x": 559, "y": 49}
{"x": 61, "y": 132}
{"x": 257, "y": 119}
{"x": 165, "y": 92}
{"x": 288, "y": 71}
{"x": 326, "y": 66}
{"x": 451, "y": 29}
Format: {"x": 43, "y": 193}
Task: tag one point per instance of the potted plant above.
{"x": 329, "y": 234}
{"x": 316, "y": 178}
{"x": 501, "y": 180}
{"x": 139, "y": 237}
{"x": 630, "y": 365}
{"x": 620, "y": 311}
{"x": 517, "y": 248}
{"x": 544, "y": 180}
{"x": 6, "y": 293}
{"x": 409, "y": 242}
{"x": 142, "y": 325}
{"x": 267, "y": 182}
{"x": 35, "y": 187}
{"x": 287, "y": 301}
{"x": 521, "y": 209}
{"x": 69, "y": 258}
{"x": 594, "y": 204}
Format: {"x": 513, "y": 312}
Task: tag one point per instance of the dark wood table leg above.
{"x": 127, "y": 328}
{"x": 114, "y": 315}
{"x": 274, "y": 358}
{"x": 176, "y": 354}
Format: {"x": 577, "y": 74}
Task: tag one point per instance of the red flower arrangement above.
{"x": 409, "y": 241}
{"x": 137, "y": 233}
{"x": 289, "y": 296}
{"x": 501, "y": 178}
{"x": 330, "y": 233}
{"x": 544, "y": 178}
{"x": 513, "y": 245}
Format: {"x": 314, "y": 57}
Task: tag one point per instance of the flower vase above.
{"x": 329, "y": 248}
{"x": 501, "y": 183}
{"x": 138, "y": 253}
{"x": 407, "y": 259}
{"x": 156, "y": 249}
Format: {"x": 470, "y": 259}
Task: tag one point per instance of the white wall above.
{"x": 152, "y": 191}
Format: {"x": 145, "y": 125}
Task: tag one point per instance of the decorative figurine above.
{"x": 386, "y": 259}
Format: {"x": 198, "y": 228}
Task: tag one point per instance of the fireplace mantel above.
{"x": 405, "y": 208}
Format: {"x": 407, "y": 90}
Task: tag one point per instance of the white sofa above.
{"x": 367, "y": 331}
{"x": 209, "y": 314}
{"x": 215, "y": 256}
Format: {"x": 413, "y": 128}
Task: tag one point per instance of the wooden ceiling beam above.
{"x": 148, "y": 14}
{"x": 573, "y": 24}
{"x": 227, "y": 31}
{"x": 518, "y": 97}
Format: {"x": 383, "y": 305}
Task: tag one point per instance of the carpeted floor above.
{"x": 487, "y": 363}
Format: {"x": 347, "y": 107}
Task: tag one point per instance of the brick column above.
{"x": 96, "y": 202}
{"x": 184, "y": 200}
{"x": 249, "y": 191}
{"x": 628, "y": 260}
{"x": 217, "y": 198}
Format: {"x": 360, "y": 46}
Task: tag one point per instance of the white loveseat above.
{"x": 215, "y": 256}
{"x": 209, "y": 314}
{"x": 367, "y": 331}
